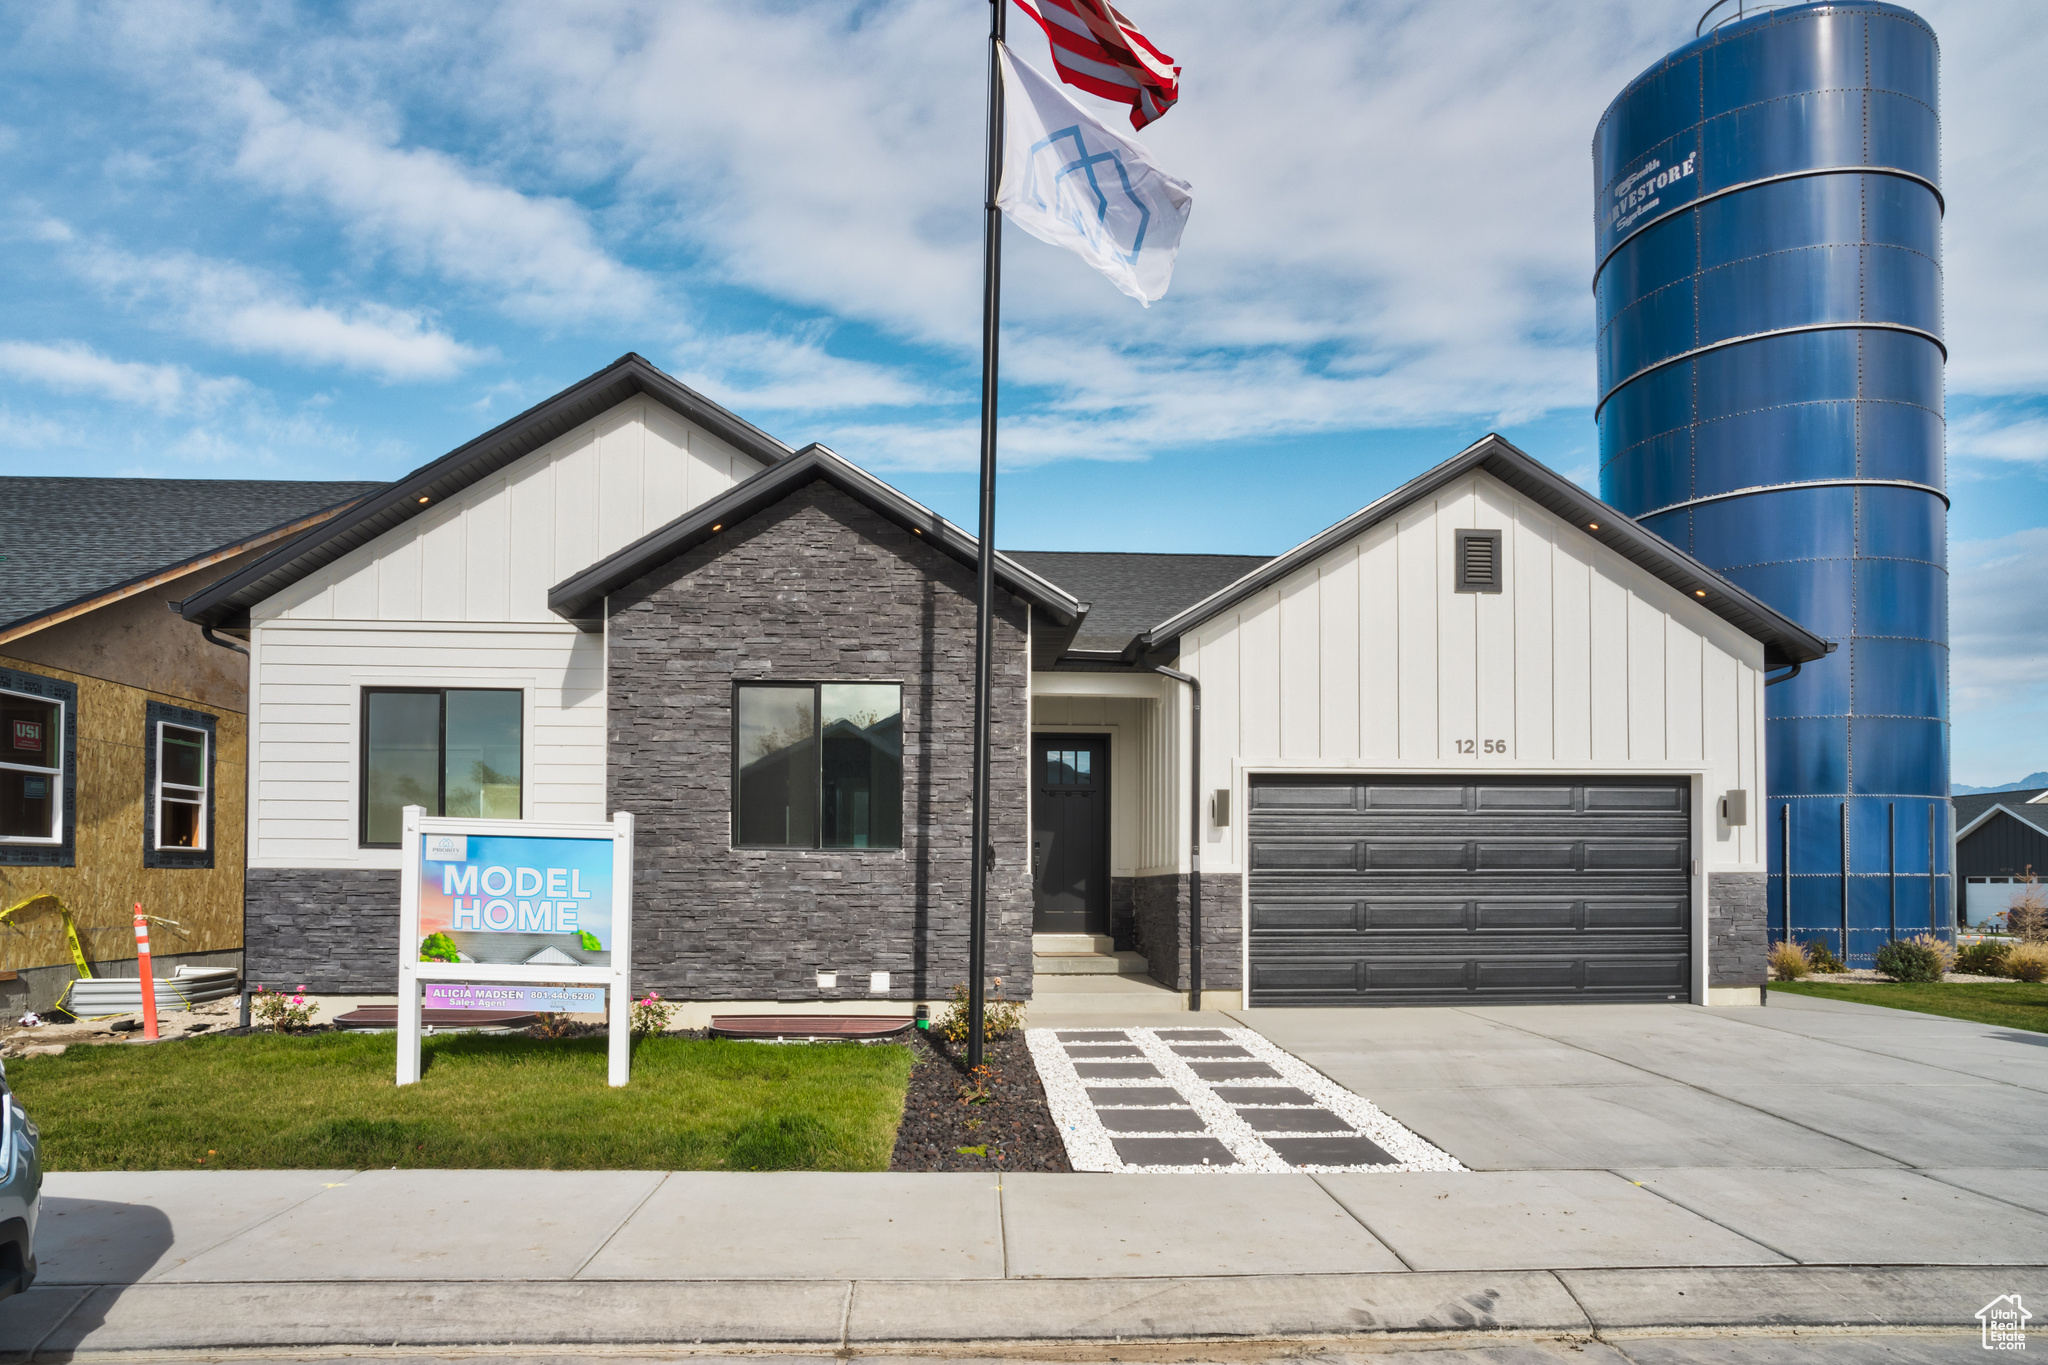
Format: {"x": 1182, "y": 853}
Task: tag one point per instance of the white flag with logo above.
{"x": 1070, "y": 181}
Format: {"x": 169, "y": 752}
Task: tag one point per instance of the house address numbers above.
{"x": 1490, "y": 746}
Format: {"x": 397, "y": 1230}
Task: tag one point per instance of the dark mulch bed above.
{"x": 1013, "y": 1128}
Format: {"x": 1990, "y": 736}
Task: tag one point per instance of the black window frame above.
{"x": 64, "y": 852}
{"x": 817, "y": 688}
{"x": 156, "y": 715}
{"x": 1465, "y": 584}
{"x": 441, "y": 744}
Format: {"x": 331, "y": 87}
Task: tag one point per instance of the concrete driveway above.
{"x": 1801, "y": 1083}
{"x": 1818, "y": 1132}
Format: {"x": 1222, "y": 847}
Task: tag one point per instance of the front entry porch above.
{"x": 1100, "y": 744}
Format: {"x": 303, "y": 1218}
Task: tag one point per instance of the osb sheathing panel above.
{"x": 109, "y": 878}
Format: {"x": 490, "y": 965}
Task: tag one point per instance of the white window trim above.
{"x": 205, "y": 792}
{"x": 55, "y": 773}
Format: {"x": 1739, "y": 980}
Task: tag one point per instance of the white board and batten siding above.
{"x": 457, "y": 597}
{"x": 1368, "y": 660}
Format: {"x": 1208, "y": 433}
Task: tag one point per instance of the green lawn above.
{"x": 327, "y": 1100}
{"x": 2009, "y": 1004}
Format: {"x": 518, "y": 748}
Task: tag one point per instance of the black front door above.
{"x": 1070, "y": 834}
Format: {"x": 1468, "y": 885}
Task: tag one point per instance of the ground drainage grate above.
{"x": 1222, "y": 1100}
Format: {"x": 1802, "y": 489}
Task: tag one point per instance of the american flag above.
{"x": 1094, "y": 48}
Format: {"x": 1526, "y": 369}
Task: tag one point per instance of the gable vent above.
{"x": 1479, "y": 561}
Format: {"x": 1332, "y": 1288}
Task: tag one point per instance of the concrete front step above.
{"x": 1058, "y": 944}
{"x": 1103, "y": 994}
{"x": 1088, "y": 964}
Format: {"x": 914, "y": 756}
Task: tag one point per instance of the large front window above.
{"x": 818, "y": 765}
{"x": 454, "y": 751}
{"x": 31, "y": 769}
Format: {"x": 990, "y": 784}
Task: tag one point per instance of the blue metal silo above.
{"x": 1768, "y": 285}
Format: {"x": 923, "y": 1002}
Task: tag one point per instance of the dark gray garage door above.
{"x": 1433, "y": 890}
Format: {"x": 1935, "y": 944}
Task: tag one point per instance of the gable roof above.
{"x": 1126, "y": 592}
{"x": 1970, "y": 808}
{"x": 2033, "y": 820}
{"x": 575, "y": 596}
{"x": 69, "y": 544}
{"x": 1785, "y": 641}
{"x": 228, "y": 601}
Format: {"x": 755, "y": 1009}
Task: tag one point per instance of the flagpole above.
{"x": 983, "y": 851}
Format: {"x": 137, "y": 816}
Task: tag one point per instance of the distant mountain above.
{"x": 2030, "y": 780}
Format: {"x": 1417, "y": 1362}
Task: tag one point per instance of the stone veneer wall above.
{"x": 333, "y": 930}
{"x": 1738, "y": 938}
{"x": 816, "y": 588}
{"x": 1123, "y": 913}
{"x": 1161, "y": 905}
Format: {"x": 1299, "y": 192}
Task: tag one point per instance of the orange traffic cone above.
{"x": 147, "y": 973}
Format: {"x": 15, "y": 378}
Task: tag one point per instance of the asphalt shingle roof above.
{"x": 1130, "y": 593}
{"x": 63, "y": 539}
{"x": 1969, "y": 808}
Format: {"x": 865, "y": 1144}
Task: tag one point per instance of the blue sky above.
{"x": 334, "y": 241}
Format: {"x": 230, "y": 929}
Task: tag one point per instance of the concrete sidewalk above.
{"x": 201, "y": 1260}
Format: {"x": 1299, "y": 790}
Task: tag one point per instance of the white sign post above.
{"x": 517, "y": 904}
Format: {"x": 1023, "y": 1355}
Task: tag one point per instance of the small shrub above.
{"x": 1983, "y": 959}
{"x": 1822, "y": 958}
{"x": 282, "y": 1013}
{"x": 1910, "y": 959}
{"x": 551, "y": 1025}
{"x": 1787, "y": 962}
{"x": 1940, "y": 947}
{"x": 980, "y": 1086}
{"x": 651, "y": 1016}
{"x": 2027, "y": 962}
{"x": 999, "y": 1017}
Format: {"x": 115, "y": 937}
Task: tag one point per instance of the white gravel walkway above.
{"x": 1211, "y": 1100}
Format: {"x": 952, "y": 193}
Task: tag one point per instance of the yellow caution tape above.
{"x": 70, "y": 926}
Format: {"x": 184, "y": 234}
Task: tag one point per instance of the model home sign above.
{"x": 514, "y": 915}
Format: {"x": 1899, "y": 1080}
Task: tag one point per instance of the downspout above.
{"x": 206, "y": 633}
{"x": 1194, "y": 828}
{"x": 1789, "y": 674}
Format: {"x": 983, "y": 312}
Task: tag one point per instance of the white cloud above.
{"x": 764, "y": 372}
{"x": 1392, "y": 210}
{"x": 26, "y": 431}
{"x": 1998, "y": 671}
{"x": 430, "y": 211}
{"x": 233, "y": 306}
{"x": 1999, "y": 436}
{"x": 1373, "y": 243}
{"x": 1392, "y": 218}
{"x": 70, "y": 367}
